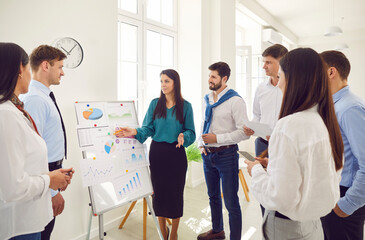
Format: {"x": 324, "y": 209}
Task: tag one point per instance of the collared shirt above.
{"x": 350, "y": 112}
{"x": 25, "y": 200}
{"x": 267, "y": 104}
{"x": 40, "y": 106}
{"x": 167, "y": 129}
{"x": 227, "y": 121}
{"x": 42, "y": 109}
{"x": 301, "y": 181}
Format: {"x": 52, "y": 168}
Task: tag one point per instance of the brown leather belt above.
{"x": 217, "y": 149}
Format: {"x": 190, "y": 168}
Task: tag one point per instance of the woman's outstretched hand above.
{"x": 180, "y": 140}
{"x": 125, "y": 132}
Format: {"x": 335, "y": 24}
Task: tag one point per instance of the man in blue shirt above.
{"x": 47, "y": 63}
{"x": 346, "y": 221}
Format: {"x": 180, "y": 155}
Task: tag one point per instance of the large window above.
{"x": 249, "y": 47}
{"x": 249, "y": 72}
{"x": 146, "y": 45}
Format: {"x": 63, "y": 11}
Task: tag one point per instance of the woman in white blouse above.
{"x": 25, "y": 199}
{"x": 301, "y": 181}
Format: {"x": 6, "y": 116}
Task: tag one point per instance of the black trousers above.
{"x": 46, "y": 233}
{"x": 349, "y": 228}
{"x": 168, "y": 167}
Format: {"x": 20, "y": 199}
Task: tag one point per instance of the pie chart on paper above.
{"x": 92, "y": 114}
{"x": 109, "y": 146}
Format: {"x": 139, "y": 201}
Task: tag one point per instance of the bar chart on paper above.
{"x": 128, "y": 185}
{"x": 134, "y": 155}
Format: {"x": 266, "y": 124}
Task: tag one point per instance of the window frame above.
{"x": 143, "y": 25}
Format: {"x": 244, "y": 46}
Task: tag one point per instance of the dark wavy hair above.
{"x": 307, "y": 84}
{"x": 11, "y": 56}
{"x": 160, "y": 110}
{"x": 222, "y": 68}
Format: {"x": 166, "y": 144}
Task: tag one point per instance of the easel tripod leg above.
{"x": 127, "y": 214}
{"x": 244, "y": 185}
{"x": 144, "y": 218}
{"x": 89, "y": 227}
{"x": 154, "y": 217}
{"x": 101, "y": 227}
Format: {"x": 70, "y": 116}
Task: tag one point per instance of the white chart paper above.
{"x": 261, "y": 130}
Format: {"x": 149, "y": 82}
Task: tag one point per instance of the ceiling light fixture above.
{"x": 341, "y": 46}
{"x": 333, "y": 30}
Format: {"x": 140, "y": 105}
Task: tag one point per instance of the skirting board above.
{"x": 113, "y": 224}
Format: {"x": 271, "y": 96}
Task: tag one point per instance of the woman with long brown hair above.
{"x": 301, "y": 181}
{"x": 169, "y": 121}
{"x": 25, "y": 181}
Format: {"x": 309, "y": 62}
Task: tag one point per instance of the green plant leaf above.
{"x": 193, "y": 153}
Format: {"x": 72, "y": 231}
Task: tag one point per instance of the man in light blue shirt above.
{"x": 346, "y": 221}
{"x": 47, "y": 63}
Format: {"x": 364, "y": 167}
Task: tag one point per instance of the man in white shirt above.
{"x": 268, "y": 97}
{"x": 222, "y": 129}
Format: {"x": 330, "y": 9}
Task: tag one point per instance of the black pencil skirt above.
{"x": 168, "y": 167}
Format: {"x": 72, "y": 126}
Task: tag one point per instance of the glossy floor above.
{"x": 196, "y": 218}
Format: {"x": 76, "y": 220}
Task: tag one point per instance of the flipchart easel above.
{"x": 103, "y": 196}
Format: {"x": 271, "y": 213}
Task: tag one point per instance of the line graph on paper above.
{"x": 94, "y": 171}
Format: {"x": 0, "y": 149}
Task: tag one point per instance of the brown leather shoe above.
{"x": 210, "y": 235}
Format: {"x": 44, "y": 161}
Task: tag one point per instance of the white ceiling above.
{"x": 310, "y": 18}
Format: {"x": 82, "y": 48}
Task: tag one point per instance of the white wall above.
{"x": 190, "y": 54}
{"x": 355, "y": 53}
{"x": 93, "y": 23}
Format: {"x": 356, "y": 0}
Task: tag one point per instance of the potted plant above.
{"x": 195, "y": 174}
{"x": 193, "y": 153}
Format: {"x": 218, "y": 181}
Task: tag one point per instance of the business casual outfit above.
{"x": 221, "y": 161}
{"x": 266, "y": 109}
{"x": 25, "y": 199}
{"x": 301, "y": 182}
{"x": 40, "y": 103}
{"x": 350, "y": 112}
{"x": 168, "y": 164}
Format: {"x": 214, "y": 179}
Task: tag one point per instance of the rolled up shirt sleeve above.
{"x": 353, "y": 125}
{"x": 189, "y": 127}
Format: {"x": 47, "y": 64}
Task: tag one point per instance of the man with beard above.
{"x": 222, "y": 129}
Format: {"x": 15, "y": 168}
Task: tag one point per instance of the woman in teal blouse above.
{"x": 169, "y": 121}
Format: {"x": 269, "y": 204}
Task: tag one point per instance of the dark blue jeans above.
{"x": 260, "y": 146}
{"x": 31, "y": 236}
{"x": 223, "y": 166}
